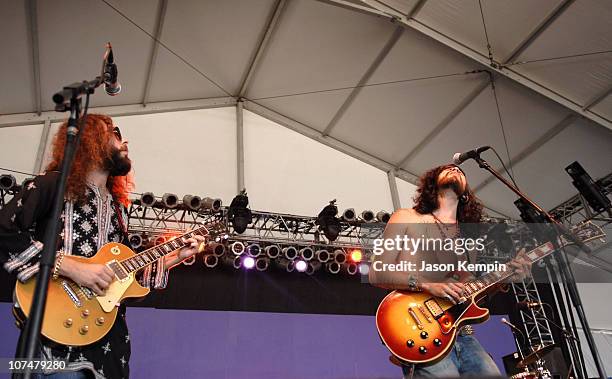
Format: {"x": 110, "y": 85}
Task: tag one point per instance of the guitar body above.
{"x": 421, "y": 329}
{"x": 73, "y": 315}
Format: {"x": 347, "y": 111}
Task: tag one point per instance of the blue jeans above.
{"x": 467, "y": 358}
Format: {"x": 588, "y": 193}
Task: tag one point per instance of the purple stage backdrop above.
{"x": 212, "y": 344}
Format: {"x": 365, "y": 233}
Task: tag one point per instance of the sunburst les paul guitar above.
{"x": 421, "y": 329}
{"x": 74, "y": 315}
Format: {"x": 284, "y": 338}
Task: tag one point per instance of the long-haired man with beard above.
{"x": 93, "y": 215}
{"x": 445, "y": 208}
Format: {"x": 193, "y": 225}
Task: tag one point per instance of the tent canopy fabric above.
{"x": 400, "y": 84}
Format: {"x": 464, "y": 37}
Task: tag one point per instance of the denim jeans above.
{"x": 467, "y": 358}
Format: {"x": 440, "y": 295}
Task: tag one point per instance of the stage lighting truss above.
{"x": 277, "y": 237}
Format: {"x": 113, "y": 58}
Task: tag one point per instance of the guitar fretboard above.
{"x": 147, "y": 257}
{"x": 474, "y": 287}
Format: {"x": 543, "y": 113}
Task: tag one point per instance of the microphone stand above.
{"x": 28, "y": 342}
{"x": 564, "y": 268}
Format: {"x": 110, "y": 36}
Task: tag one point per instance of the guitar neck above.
{"x": 475, "y": 287}
{"x": 147, "y": 257}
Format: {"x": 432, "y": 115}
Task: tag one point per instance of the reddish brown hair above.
{"x": 469, "y": 209}
{"x": 93, "y": 151}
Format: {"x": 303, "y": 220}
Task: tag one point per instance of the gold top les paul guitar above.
{"x": 74, "y": 315}
{"x": 419, "y": 328}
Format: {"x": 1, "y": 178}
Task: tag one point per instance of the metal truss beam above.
{"x": 266, "y": 226}
{"x": 538, "y": 30}
{"x": 40, "y": 153}
{"x": 32, "y": 17}
{"x": 159, "y": 25}
{"x": 239, "y": 146}
{"x": 20, "y": 119}
{"x": 484, "y": 60}
{"x": 262, "y": 47}
{"x": 395, "y": 36}
{"x": 397, "y": 204}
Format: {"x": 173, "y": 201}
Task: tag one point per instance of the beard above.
{"x": 453, "y": 183}
{"x": 118, "y": 165}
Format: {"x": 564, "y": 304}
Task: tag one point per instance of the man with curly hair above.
{"x": 445, "y": 208}
{"x": 93, "y": 215}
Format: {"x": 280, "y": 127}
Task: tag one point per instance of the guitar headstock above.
{"x": 587, "y": 231}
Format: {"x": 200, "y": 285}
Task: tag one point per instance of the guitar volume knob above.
{"x": 437, "y": 342}
{"x": 85, "y": 313}
{"x": 424, "y": 335}
{"x": 84, "y": 329}
{"x": 423, "y": 350}
{"x": 100, "y": 321}
{"x": 68, "y": 323}
{"x": 410, "y": 343}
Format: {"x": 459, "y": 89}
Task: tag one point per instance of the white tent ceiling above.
{"x": 399, "y": 84}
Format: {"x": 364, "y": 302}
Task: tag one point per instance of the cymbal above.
{"x": 536, "y": 355}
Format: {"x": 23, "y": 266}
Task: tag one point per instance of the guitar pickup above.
{"x": 434, "y": 308}
{"x": 424, "y": 313}
{"x": 416, "y": 318}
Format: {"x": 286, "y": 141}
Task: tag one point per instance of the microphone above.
{"x": 110, "y": 73}
{"x": 459, "y": 158}
{"x": 525, "y": 305}
{"x": 511, "y": 325}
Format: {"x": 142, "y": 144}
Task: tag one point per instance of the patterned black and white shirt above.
{"x": 86, "y": 228}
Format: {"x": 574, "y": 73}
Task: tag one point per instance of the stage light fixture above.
{"x": 159, "y": 240}
{"x": 285, "y": 264}
{"x": 364, "y": 268}
{"x": 136, "y": 241}
{"x": 211, "y": 204}
{"x": 333, "y": 267}
{"x": 328, "y": 222}
{"x": 339, "y": 256}
{"x": 231, "y": 260}
{"x": 192, "y": 202}
{"x": 248, "y": 262}
{"x": 367, "y": 215}
{"x": 170, "y": 200}
{"x": 588, "y": 188}
{"x": 238, "y": 214}
{"x": 301, "y": 265}
{"x": 237, "y": 248}
{"x": 24, "y": 184}
{"x": 313, "y": 267}
{"x": 356, "y": 255}
{"x": 290, "y": 252}
{"x": 534, "y": 221}
{"x": 322, "y": 255}
{"x": 147, "y": 199}
{"x": 189, "y": 261}
{"x": 253, "y": 250}
{"x": 383, "y": 216}
{"x": 215, "y": 248}
{"x": 306, "y": 253}
{"x": 7, "y": 182}
{"x": 211, "y": 260}
{"x": 349, "y": 215}
{"x": 262, "y": 263}
{"x": 272, "y": 251}
{"x": 351, "y": 268}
